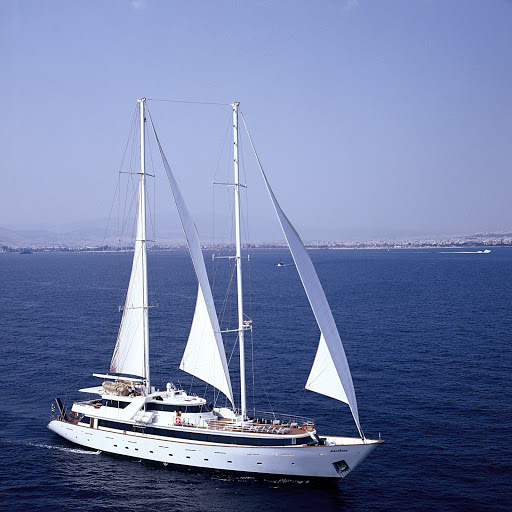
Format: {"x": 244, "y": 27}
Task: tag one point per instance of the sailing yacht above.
{"x": 128, "y": 416}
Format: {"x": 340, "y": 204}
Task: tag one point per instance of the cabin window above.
{"x": 118, "y": 404}
{"x": 190, "y": 409}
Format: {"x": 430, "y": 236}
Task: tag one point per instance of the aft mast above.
{"x": 238, "y": 260}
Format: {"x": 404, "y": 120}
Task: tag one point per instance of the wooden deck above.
{"x": 258, "y": 428}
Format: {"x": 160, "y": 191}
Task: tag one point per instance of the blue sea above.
{"x": 427, "y": 334}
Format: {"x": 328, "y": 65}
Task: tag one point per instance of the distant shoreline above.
{"x": 270, "y": 247}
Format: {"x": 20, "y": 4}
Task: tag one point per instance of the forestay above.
{"x": 204, "y": 355}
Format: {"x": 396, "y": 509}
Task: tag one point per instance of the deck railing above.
{"x": 260, "y": 421}
{"x": 289, "y": 420}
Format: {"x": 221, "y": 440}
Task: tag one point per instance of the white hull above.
{"x": 299, "y": 461}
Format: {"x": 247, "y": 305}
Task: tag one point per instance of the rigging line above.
{"x": 118, "y": 183}
{"x": 265, "y": 391}
{"x": 126, "y": 211}
{"x": 252, "y": 368}
{"x": 227, "y": 296}
{"x": 190, "y": 102}
{"x": 213, "y": 266}
{"x": 224, "y": 144}
{"x": 134, "y": 145}
{"x": 168, "y": 170}
{"x": 217, "y": 170}
{"x": 96, "y": 271}
{"x": 233, "y": 351}
{"x": 250, "y": 140}
{"x": 246, "y": 231}
{"x": 156, "y": 326}
{"x": 152, "y": 213}
{"x": 301, "y": 401}
{"x": 259, "y": 164}
{"x": 127, "y": 220}
{"x": 151, "y": 207}
{"x": 289, "y": 394}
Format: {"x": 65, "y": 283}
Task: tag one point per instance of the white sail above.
{"x": 323, "y": 377}
{"x": 130, "y": 351}
{"x": 204, "y": 355}
{"x": 330, "y": 374}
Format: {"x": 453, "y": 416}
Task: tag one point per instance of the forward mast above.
{"x": 141, "y": 238}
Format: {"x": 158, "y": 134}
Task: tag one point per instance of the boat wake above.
{"x": 486, "y": 251}
{"x": 272, "y": 482}
{"x": 65, "y": 449}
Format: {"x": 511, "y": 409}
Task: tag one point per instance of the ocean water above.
{"x": 427, "y": 335}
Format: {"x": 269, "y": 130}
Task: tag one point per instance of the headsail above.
{"x": 204, "y": 355}
{"x": 330, "y": 374}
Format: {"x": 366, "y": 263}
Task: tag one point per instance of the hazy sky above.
{"x": 371, "y": 117}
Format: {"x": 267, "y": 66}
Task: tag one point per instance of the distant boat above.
{"x": 280, "y": 264}
{"x": 485, "y": 251}
{"x": 132, "y": 418}
{"x": 26, "y": 251}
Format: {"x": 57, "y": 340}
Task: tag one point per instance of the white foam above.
{"x": 65, "y": 449}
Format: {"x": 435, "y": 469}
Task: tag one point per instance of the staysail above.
{"x": 330, "y": 373}
{"x": 204, "y": 355}
{"x": 130, "y": 351}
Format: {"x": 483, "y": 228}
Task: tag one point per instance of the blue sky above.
{"x": 372, "y": 118}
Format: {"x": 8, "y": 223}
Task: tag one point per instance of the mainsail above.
{"x": 130, "y": 351}
{"x": 204, "y": 355}
{"x": 330, "y": 373}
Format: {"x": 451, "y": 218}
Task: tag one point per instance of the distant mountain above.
{"x": 10, "y": 237}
